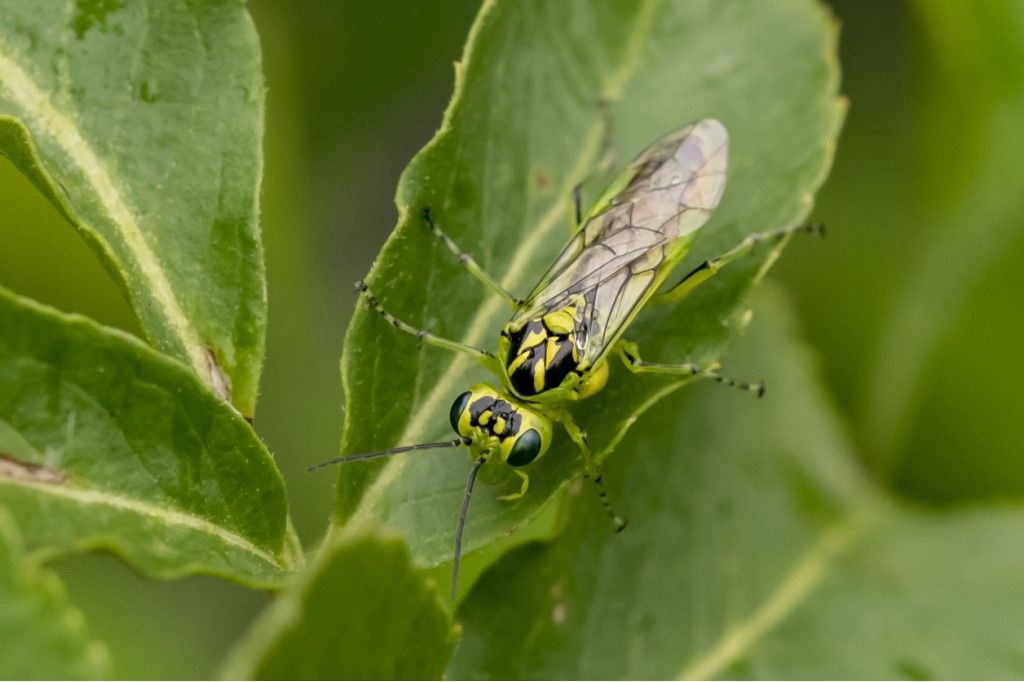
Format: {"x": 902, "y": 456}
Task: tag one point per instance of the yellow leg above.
{"x": 470, "y": 263}
{"x": 434, "y": 340}
{"x": 710, "y": 268}
{"x": 593, "y": 469}
{"x": 522, "y": 488}
{"x": 630, "y": 354}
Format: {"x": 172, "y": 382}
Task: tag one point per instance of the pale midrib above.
{"x": 802, "y": 579}
{"x": 479, "y": 325}
{"x": 167, "y": 516}
{"x": 49, "y": 122}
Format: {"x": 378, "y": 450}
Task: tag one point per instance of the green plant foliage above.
{"x": 141, "y": 122}
{"x": 361, "y": 611}
{"x": 105, "y": 443}
{"x": 525, "y": 126}
{"x": 756, "y": 550}
{"x": 923, "y": 596}
{"x": 757, "y": 545}
{"x": 41, "y": 636}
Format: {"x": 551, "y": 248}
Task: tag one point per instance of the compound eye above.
{"x": 457, "y": 407}
{"x": 526, "y": 449}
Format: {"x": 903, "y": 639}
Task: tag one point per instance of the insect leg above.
{"x": 523, "y": 486}
{"x": 631, "y": 358}
{"x": 576, "y": 215}
{"x": 593, "y": 469}
{"x": 423, "y": 335}
{"x": 469, "y": 262}
{"x": 577, "y": 206}
{"x": 606, "y": 163}
{"x": 710, "y": 268}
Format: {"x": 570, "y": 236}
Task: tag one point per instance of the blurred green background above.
{"x": 912, "y": 302}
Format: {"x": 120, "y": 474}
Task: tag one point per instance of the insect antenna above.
{"x": 756, "y": 388}
{"x": 462, "y": 522}
{"x": 387, "y": 453}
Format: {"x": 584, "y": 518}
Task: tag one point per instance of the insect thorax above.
{"x": 544, "y": 353}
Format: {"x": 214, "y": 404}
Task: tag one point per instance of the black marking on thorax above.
{"x": 560, "y": 363}
{"x": 555, "y": 361}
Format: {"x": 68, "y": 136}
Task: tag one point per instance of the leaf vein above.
{"x": 35, "y": 103}
{"x": 170, "y": 517}
{"x": 524, "y": 256}
{"x": 805, "y": 576}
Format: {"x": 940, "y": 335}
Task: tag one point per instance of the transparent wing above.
{"x": 626, "y": 248}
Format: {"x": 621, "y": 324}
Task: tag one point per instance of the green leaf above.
{"x": 924, "y": 596}
{"x": 755, "y": 550}
{"x": 523, "y": 128}
{"x": 360, "y": 612}
{"x": 41, "y": 635}
{"x": 105, "y": 443}
{"x": 141, "y": 122}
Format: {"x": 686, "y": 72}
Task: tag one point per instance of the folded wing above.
{"x": 615, "y": 262}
